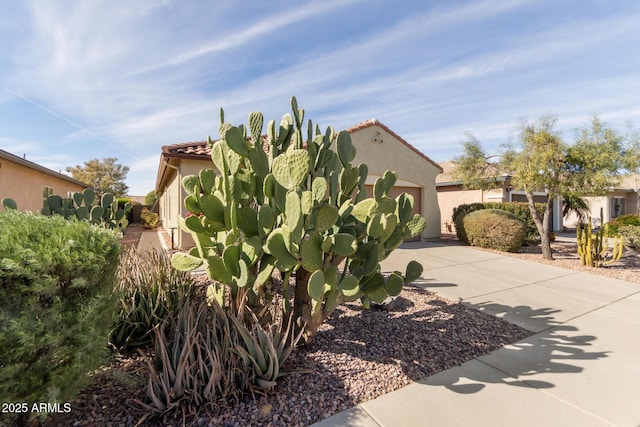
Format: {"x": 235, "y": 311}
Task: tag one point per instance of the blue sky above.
{"x": 93, "y": 79}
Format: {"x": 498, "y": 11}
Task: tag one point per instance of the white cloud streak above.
{"x": 131, "y": 80}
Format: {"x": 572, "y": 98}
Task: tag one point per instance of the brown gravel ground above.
{"x": 357, "y": 356}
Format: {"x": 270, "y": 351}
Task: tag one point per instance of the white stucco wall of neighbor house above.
{"x": 382, "y": 151}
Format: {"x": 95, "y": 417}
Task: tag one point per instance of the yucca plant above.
{"x": 265, "y": 349}
{"x": 149, "y": 290}
{"x": 196, "y": 362}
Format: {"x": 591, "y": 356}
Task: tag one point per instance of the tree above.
{"x": 105, "y": 176}
{"x": 151, "y": 198}
{"x": 475, "y": 168}
{"x": 542, "y": 161}
{"x": 299, "y": 210}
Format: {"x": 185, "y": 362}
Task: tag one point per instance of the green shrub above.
{"x": 459, "y": 213}
{"x": 57, "y": 278}
{"x": 495, "y": 229}
{"x": 522, "y": 211}
{"x": 148, "y": 291}
{"x": 519, "y": 209}
{"x": 622, "y": 220}
{"x": 149, "y": 219}
{"x": 631, "y": 234}
{"x": 151, "y": 198}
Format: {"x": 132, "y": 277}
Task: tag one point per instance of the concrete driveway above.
{"x": 582, "y": 366}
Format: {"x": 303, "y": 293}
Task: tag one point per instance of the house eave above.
{"x": 31, "y": 165}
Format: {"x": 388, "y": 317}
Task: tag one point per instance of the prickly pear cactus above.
{"x": 82, "y": 207}
{"x": 299, "y": 207}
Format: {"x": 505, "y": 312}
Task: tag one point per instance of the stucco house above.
{"x": 622, "y": 199}
{"x": 376, "y": 145}
{"x": 451, "y": 194}
{"x": 28, "y": 183}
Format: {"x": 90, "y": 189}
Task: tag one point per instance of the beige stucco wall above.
{"x": 606, "y": 203}
{"x": 450, "y": 197}
{"x": 381, "y": 151}
{"x": 171, "y": 204}
{"x": 448, "y": 200}
{"x": 26, "y": 185}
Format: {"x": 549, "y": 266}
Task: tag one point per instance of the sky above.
{"x": 92, "y": 79}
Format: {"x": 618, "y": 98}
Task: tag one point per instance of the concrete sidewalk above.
{"x": 581, "y": 368}
{"x": 152, "y": 240}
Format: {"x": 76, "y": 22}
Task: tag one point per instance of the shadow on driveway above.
{"x": 549, "y": 352}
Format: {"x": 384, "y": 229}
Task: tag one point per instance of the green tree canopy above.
{"x": 475, "y": 169}
{"x": 105, "y": 176}
{"x": 151, "y": 198}
{"x": 541, "y": 161}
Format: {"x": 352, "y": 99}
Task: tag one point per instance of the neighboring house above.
{"x": 620, "y": 200}
{"x": 29, "y": 183}
{"x": 376, "y": 145}
{"x": 451, "y": 194}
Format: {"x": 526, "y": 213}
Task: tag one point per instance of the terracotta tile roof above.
{"x": 195, "y": 149}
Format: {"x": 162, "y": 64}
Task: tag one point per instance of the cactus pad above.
{"x": 414, "y": 270}
{"x": 236, "y": 141}
{"x": 345, "y": 244}
{"x": 185, "y": 262}
{"x": 349, "y": 286}
{"x": 256, "y": 121}
{"x": 319, "y": 188}
{"x": 212, "y": 208}
{"x": 326, "y": 217}
{"x": 311, "y": 252}
{"x": 207, "y": 180}
{"x": 276, "y": 246}
{"x": 291, "y": 168}
{"x": 316, "y": 285}
{"x": 346, "y": 150}
{"x": 89, "y": 195}
{"x": 361, "y": 210}
{"x": 394, "y": 285}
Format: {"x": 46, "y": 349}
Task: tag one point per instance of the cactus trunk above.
{"x": 593, "y": 248}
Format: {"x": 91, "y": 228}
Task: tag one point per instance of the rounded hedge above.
{"x": 495, "y": 229}
{"x": 458, "y": 215}
{"x": 57, "y": 278}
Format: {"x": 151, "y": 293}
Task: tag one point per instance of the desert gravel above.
{"x": 357, "y": 356}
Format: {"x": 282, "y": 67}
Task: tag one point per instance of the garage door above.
{"x": 416, "y": 192}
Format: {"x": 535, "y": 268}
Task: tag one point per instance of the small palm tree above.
{"x": 576, "y": 204}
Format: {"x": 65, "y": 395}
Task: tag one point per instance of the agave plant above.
{"x": 196, "y": 362}
{"x": 149, "y": 290}
{"x": 265, "y": 350}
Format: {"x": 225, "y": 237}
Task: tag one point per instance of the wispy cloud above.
{"x": 251, "y": 31}
{"x": 127, "y": 80}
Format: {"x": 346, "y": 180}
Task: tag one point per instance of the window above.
{"x": 617, "y": 207}
{"x": 46, "y": 192}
